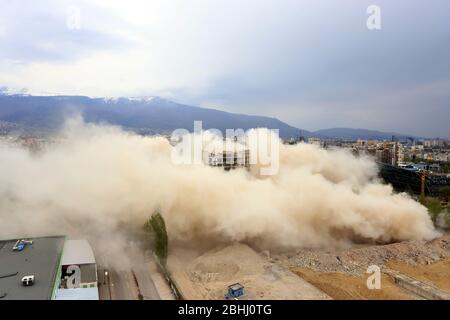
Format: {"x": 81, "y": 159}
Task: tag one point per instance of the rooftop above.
{"x": 77, "y": 252}
{"x": 39, "y": 259}
{"x": 77, "y": 294}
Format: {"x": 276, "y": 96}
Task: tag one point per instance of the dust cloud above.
{"x": 101, "y": 183}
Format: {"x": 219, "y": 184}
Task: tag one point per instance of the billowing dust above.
{"x": 101, "y": 182}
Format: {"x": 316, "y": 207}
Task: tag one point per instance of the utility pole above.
{"x": 422, "y": 186}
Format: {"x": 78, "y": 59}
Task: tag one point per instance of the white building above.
{"x": 78, "y": 272}
{"x": 227, "y": 159}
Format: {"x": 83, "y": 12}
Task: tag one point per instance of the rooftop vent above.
{"x": 28, "y": 281}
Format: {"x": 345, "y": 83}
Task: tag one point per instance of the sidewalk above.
{"x": 161, "y": 284}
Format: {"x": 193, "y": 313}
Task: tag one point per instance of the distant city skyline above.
{"x": 312, "y": 64}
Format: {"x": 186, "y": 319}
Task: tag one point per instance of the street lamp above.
{"x": 104, "y": 278}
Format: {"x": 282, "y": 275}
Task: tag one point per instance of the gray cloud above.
{"x": 39, "y": 32}
{"x": 313, "y": 64}
{"x": 342, "y": 74}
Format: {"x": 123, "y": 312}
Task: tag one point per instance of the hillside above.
{"x": 354, "y": 134}
{"x": 146, "y": 115}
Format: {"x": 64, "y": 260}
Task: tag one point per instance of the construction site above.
{"x": 337, "y": 260}
{"x": 310, "y": 230}
{"x": 409, "y": 270}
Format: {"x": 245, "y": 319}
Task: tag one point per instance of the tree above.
{"x": 444, "y": 192}
{"x": 445, "y": 167}
{"x": 433, "y": 205}
{"x": 157, "y": 228}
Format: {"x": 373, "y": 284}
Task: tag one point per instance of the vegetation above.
{"x": 445, "y": 167}
{"x": 444, "y": 192}
{"x": 438, "y": 213}
{"x": 433, "y": 205}
{"x": 445, "y": 215}
{"x": 157, "y": 228}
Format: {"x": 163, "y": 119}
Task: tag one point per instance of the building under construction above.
{"x": 413, "y": 182}
{"x": 227, "y": 159}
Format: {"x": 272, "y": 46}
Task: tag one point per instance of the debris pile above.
{"x": 356, "y": 260}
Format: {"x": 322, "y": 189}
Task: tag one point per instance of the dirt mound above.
{"x": 356, "y": 260}
{"x": 311, "y": 274}
{"x": 220, "y": 271}
{"x": 342, "y": 274}
{"x": 208, "y": 276}
{"x": 226, "y": 264}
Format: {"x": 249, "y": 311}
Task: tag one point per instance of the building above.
{"x": 79, "y": 254}
{"x": 409, "y": 180}
{"x": 388, "y": 153}
{"x": 315, "y": 141}
{"x": 227, "y": 159}
{"x": 47, "y": 259}
{"x": 41, "y": 259}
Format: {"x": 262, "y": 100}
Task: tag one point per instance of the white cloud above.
{"x": 256, "y": 56}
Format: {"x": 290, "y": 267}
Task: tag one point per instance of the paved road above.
{"x": 146, "y": 285}
{"x": 130, "y": 284}
{"x": 123, "y": 286}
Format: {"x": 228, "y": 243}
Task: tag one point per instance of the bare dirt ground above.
{"x": 207, "y": 276}
{"x": 437, "y": 274}
{"x": 356, "y": 260}
{"x": 343, "y": 286}
{"x": 310, "y": 273}
{"x": 341, "y": 274}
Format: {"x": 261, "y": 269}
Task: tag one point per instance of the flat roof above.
{"x": 77, "y": 252}
{"x": 77, "y": 294}
{"x": 39, "y": 259}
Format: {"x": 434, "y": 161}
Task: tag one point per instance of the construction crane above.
{"x": 423, "y": 178}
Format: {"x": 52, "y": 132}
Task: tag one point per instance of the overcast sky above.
{"x": 313, "y": 64}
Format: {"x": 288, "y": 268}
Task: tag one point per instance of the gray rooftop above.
{"x": 39, "y": 259}
{"x": 77, "y": 252}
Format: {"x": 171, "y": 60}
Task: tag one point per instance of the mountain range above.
{"x": 147, "y": 115}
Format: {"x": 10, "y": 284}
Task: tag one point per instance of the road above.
{"x": 126, "y": 284}
{"x": 122, "y": 285}
{"x": 146, "y": 286}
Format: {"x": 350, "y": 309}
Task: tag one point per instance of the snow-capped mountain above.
{"x": 142, "y": 114}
